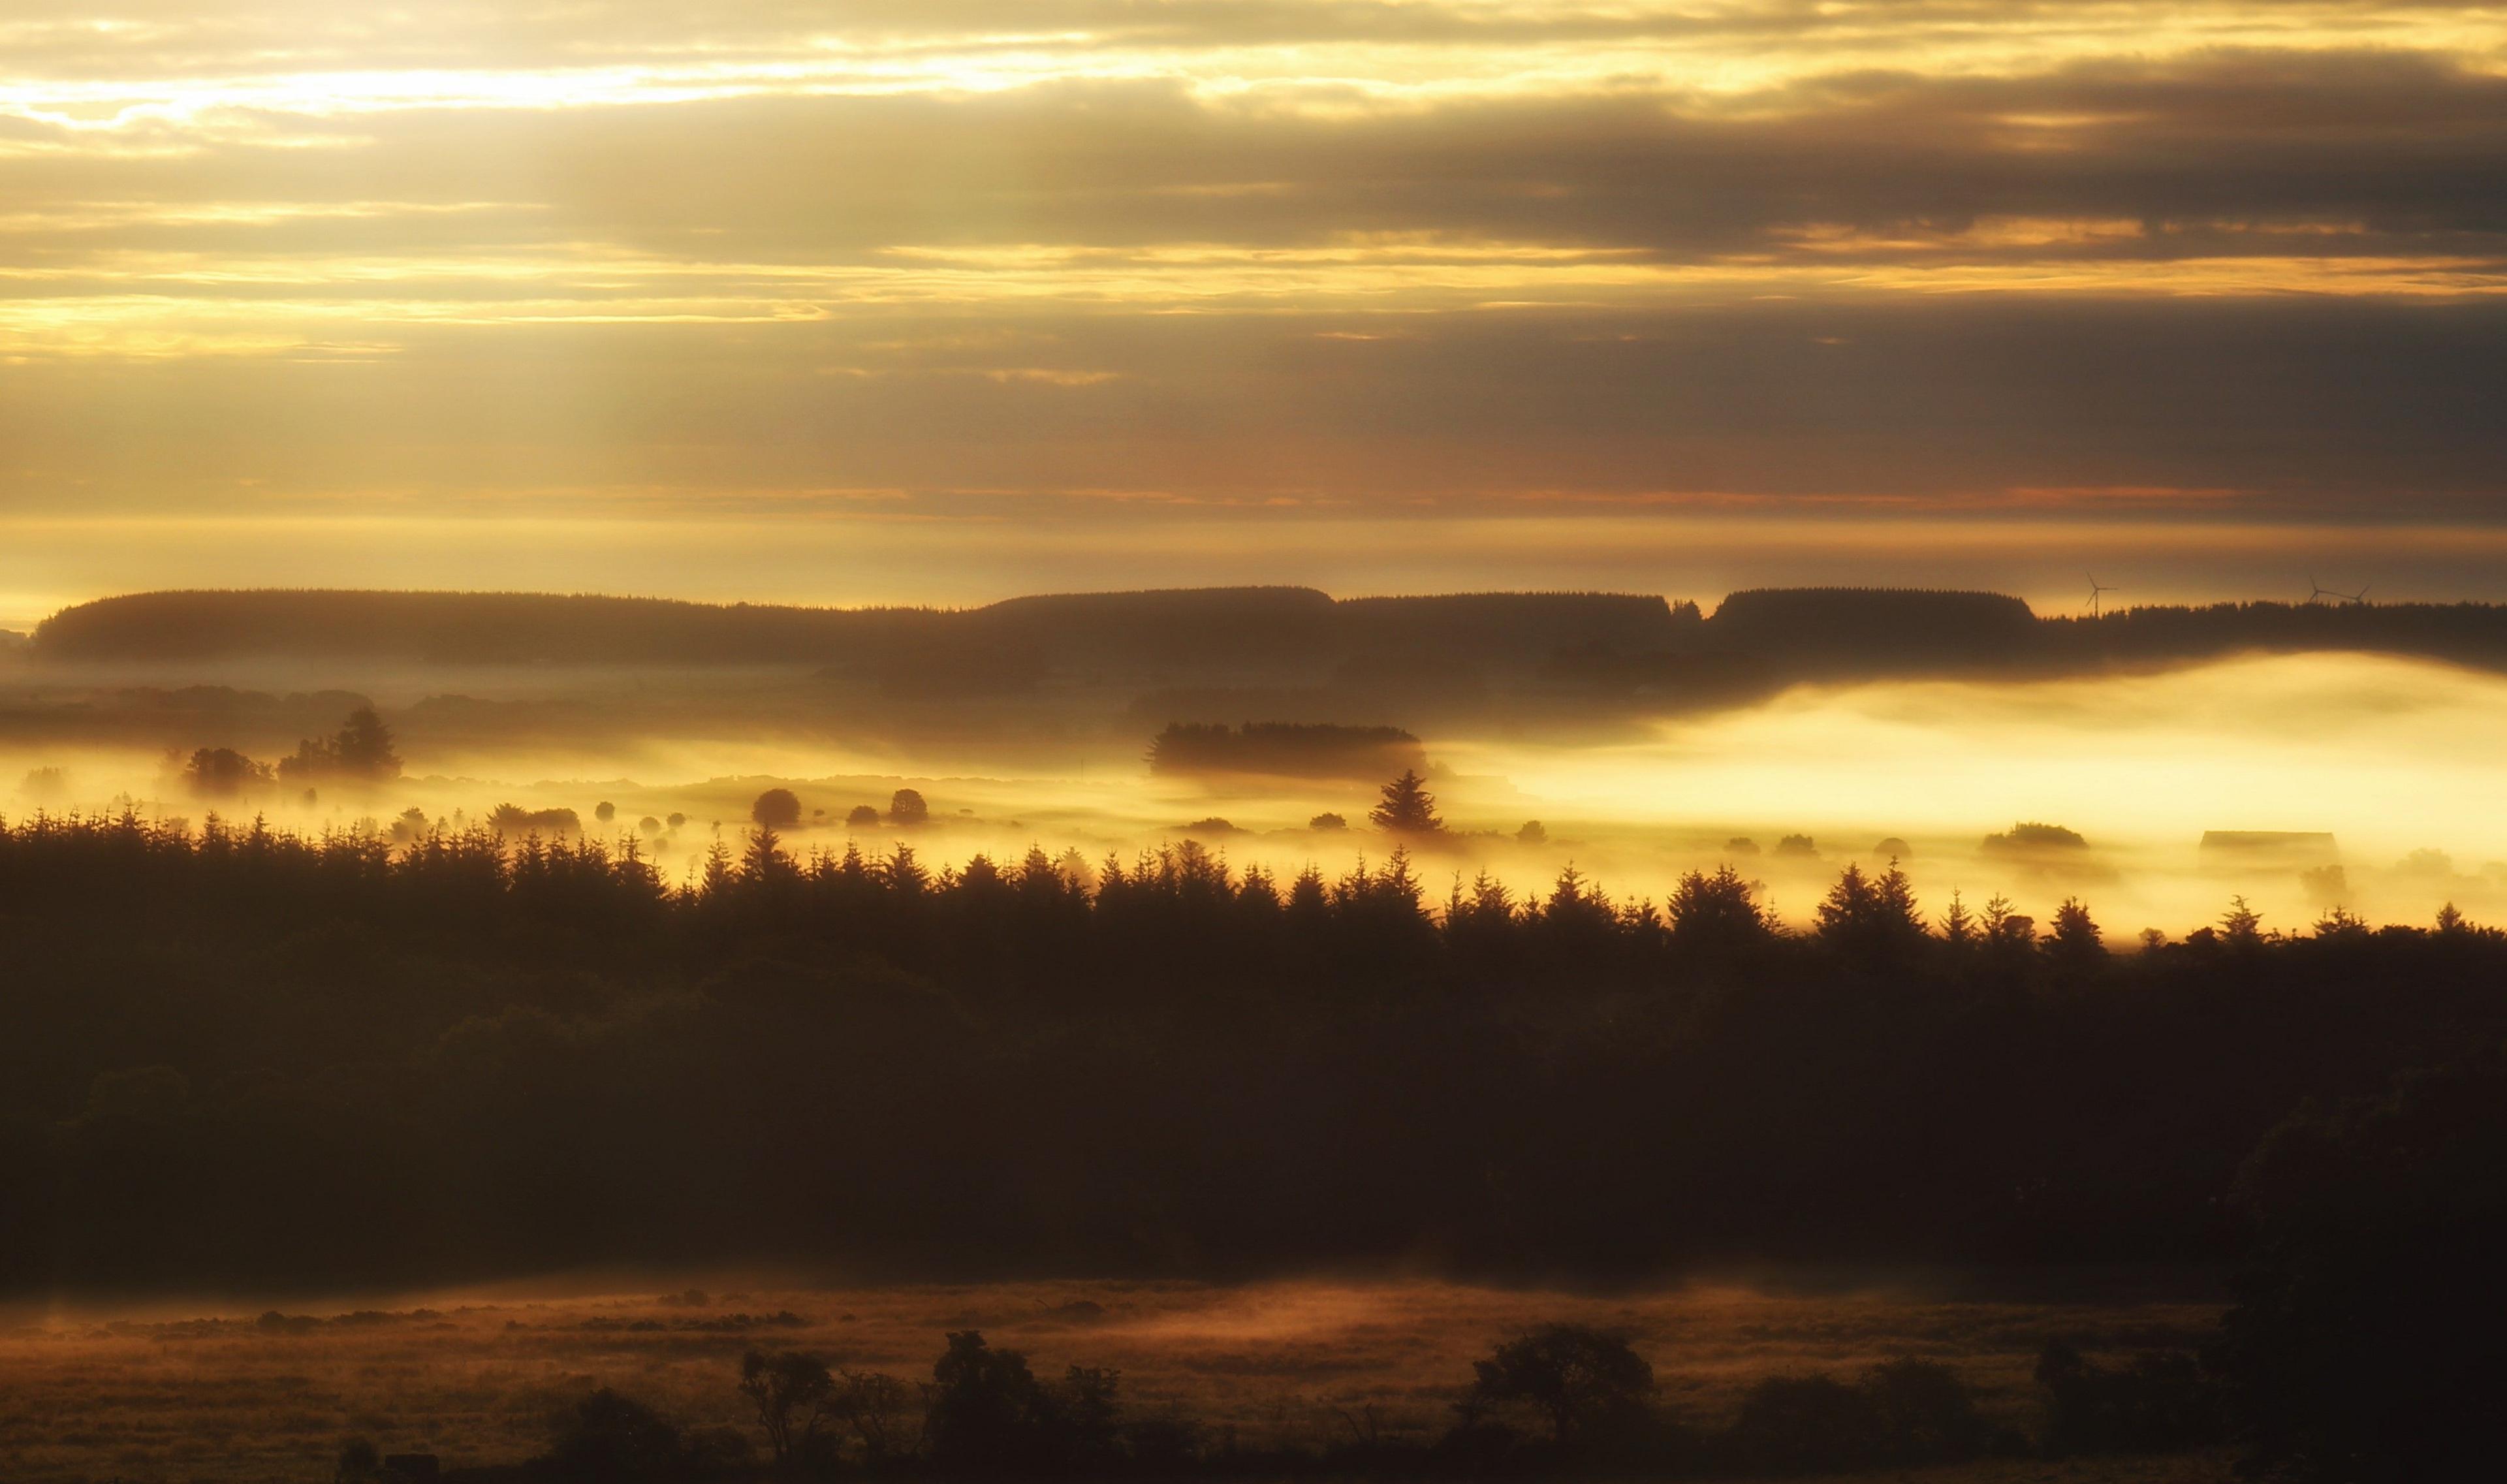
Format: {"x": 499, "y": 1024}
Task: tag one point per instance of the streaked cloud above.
{"x": 1275, "y": 255}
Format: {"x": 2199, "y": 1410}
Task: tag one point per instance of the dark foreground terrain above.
{"x": 240, "y": 1061}
{"x": 1267, "y": 1379}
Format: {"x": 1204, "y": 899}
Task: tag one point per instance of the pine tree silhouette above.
{"x": 1408, "y": 808}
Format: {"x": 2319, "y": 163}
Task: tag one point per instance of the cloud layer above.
{"x": 1082, "y": 258}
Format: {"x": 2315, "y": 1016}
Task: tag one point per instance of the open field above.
{"x": 229, "y": 1396}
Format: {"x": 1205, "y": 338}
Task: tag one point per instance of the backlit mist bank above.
{"x": 2389, "y": 756}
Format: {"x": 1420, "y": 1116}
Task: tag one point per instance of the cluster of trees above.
{"x": 779, "y": 809}
{"x": 361, "y": 750}
{"x": 1558, "y": 1401}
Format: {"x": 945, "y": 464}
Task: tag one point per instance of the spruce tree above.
{"x": 1407, "y": 808}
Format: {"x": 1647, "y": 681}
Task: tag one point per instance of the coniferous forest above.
{"x": 236, "y": 1057}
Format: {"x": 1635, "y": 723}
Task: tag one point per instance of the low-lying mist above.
{"x": 2386, "y": 756}
{"x": 474, "y": 1374}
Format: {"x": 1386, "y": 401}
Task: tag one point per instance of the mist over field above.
{"x": 1636, "y": 766}
{"x": 1281, "y": 1365}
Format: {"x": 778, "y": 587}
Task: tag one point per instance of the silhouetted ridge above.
{"x": 1519, "y": 624}
{"x": 1285, "y": 749}
{"x": 1638, "y": 648}
{"x": 463, "y": 628}
{"x": 1176, "y": 625}
{"x": 1876, "y": 622}
{"x": 1011, "y": 640}
{"x": 1112, "y": 612}
{"x": 2469, "y": 633}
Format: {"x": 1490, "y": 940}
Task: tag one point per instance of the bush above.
{"x": 608, "y": 1437}
{"x": 1806, "y": 1424}
{"x": 1904, "y": 1413}
{"x": 1927, "y": 1414}
{"x": 2159, "y": 1403}
{"x": 2367, "y": 1343}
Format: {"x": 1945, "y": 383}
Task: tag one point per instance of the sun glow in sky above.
{"x": 1098, "y": 265}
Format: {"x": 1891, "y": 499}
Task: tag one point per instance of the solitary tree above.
{"x": 862, "y": 816}
{"x": 792, "y": 1393}
{"x": 906, "y": 807}
{"x": 777, "y": 808}
{"x": 1407, "y": 807}
{"x": 1575, "y": 1375}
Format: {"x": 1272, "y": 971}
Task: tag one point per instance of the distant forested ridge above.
{"x": 1285, "y": 749}
{"x": 234, "y": 1056}
{"x": 1183, "y": 626}
{"x": 1566, "y": 637}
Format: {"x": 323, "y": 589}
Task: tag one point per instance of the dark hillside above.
{"x": 1636, "y": 646}
{"x": 1865, "y": 624}
{"x": 1224, "y": 626}
{"x": 461, "y": 629}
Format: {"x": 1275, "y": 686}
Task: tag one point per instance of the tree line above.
{"x": 1557, "y": 1400}
{"x": 235, "y": 1056}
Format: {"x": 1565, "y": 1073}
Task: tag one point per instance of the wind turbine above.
{"x": 2317, "y": 590}
{"x": 2355, "y": 600}
{"x": 2098, "y": 590}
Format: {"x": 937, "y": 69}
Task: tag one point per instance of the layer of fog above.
{"x": 2391, "y": 757}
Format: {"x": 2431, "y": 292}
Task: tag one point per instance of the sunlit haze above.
{"x": 872, "y": 742}
{"x": 1088, "y": 272}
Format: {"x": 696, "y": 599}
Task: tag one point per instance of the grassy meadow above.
{"x": 229, "y": 1395}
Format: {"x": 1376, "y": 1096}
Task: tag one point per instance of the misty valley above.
{"x": 1245, "y": 1033}
{"x": 1252, "y": 742}
{"x": 2309, "y": 757}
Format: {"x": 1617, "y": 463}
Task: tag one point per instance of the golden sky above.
{"x": 1242, "y": 271}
